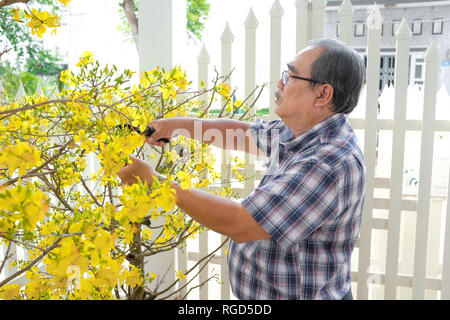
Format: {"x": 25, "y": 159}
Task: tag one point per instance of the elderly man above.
{"x": 293, "y": 236}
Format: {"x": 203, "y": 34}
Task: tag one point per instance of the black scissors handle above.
{"x": 148, "y": 131}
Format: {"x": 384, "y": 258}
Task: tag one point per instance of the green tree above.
{"x": 197, "y": 12}
{"x": 26, "y": 55}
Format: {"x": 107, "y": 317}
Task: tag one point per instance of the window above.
{"x": 418, "y": 71}
{"x": 416, "y": 27}
{"x": 438, "y": 25}
{"x": 395, "y": 26}
{"x": 359, "y": 29}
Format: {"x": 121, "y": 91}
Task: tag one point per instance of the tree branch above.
{"x": 35, "y": 261}
{"x": 5, "y": 3}
{"x": 6, "y": 257}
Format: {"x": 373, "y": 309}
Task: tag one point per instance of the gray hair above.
{"x": 341, "y": 67}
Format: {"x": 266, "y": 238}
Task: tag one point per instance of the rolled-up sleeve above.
{"x": 295, "y": 203}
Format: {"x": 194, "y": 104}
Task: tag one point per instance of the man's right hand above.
{"x": 164, "y": 128}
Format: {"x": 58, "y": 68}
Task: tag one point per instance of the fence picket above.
{"x": 302, "y": 24}
{"x": 276, "y": 14}
{"x": 426, "y": 159}
{"x": 374, "y": 22}
{"x": 2, "y": 90}
{"x": 251, "y": 23}
{"x": 203, "y": 62}
{"x": 12, "y": 256}
{"x": 403, "y": 37}
{"x": 39, "y": 90}
{"x": 446, "y": 261}
{"x": 318, "y": 18}
{"x": 345, "y": 18}
{"x": 20, "y": 91}
{"x": 227, "y": 41}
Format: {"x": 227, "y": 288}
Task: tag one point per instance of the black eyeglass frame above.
{"x": 286, "y": 78}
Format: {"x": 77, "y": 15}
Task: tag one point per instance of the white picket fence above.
{"x": 404, "y": 247}
{"x": 403, "y": 251}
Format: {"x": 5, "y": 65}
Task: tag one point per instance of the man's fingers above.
{"x": 155, "y": 142}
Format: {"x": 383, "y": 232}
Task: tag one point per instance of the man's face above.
{"x": 296, "y": 98}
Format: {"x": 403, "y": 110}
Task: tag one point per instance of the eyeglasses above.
{"x": 285, "y": 76}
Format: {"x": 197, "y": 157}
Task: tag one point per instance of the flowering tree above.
{"x": 86, "y": 235}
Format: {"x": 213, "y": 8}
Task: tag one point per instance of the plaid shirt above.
{"x": 310, "y": 202}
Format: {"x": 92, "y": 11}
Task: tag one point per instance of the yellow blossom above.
{"x": 16, "y": 15}
{"x": 9, "y": 291}
{"x": 224, "y": 89}
{"x": 22, "y": 156}
{"x": 180, "y": 275}
{"x": 85, "y": 59}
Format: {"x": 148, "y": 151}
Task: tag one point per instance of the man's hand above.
{"x": 164, "y": 128}
{"x": 137, "y": 168}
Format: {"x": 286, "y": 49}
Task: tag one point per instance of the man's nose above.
{"x": 280, "y": 84}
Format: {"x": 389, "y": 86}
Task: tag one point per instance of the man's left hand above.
{"x": 137, "y": 169}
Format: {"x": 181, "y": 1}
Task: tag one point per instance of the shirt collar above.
{"x": 331, "y": 123}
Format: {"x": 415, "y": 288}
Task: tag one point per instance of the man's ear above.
{"x": 324, "y": 95}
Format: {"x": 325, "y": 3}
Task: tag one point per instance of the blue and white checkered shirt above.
{"x": 310, "y": 202}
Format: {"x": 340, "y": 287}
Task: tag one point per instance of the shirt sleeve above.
{"x": 295, "y": 203}
{"x": 266, "y": 134}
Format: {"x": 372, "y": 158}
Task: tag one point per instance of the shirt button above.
{"x": 291, "y": 153}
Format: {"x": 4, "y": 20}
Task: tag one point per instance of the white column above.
{"x": 432, "y": 64}
{"x": 374, "y": 23}
{"x": 345, "y": 21}
{"x": 403, "y": 37}
{"x": 276, "y": 14}
{"x": 162, "y": 33}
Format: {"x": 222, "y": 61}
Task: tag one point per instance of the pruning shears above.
{"x": 148, "y": 131}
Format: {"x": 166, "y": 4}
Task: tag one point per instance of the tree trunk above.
{"x": 128, "y": 8}
{"x": 136, "y": 258}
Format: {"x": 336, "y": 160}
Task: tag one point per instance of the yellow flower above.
{"x": 85, "y": 59}
{"x": 180, "y": 275}
{"x": 168, "y": 91}
{"x": 10, "y": 291}
{"x": 224, "y": 89}
{"x": 178, "y": 77}
{"x": 40, "y": 20}
{"x": 64, "y": 2}
{"x": 65, "y": 76}
{"x": 22, "y": 156}
{"x": 132, "y": 277}
{"x": 167, "y": 197}
{"x": 185, "y": 179}
{"x": 17, "y": 14}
